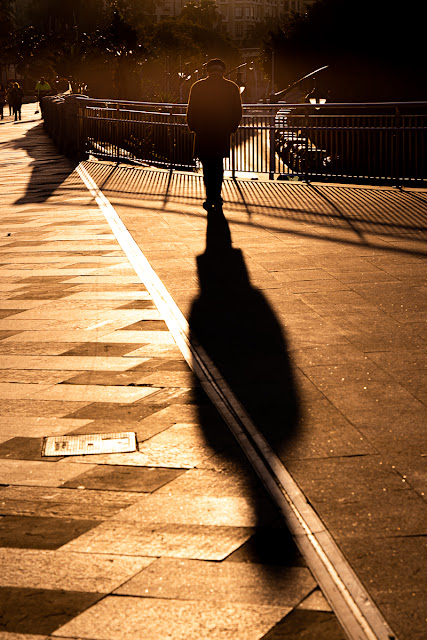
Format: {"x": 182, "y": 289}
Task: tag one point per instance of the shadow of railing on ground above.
{"x": 374, "y": 211}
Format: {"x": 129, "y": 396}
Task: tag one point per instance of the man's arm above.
{"x": 192, "y": 110}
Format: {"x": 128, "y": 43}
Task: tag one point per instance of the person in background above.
{"x": 8, "y": 92}
{"x": 213, "y": 114}
{"x": 2, "y": 98}
{"x": 43, "y": 88}
{"x": 16, "y": 98}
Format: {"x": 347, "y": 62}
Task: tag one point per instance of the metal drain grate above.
{"x": 122, "y": 442}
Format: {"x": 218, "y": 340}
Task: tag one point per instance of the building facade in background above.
{"x": 239, "y": 15}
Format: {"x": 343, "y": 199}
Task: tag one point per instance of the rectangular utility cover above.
{"x": 122, "y": 442}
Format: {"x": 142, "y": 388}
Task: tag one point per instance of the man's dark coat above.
{"x": 213, "y": 114}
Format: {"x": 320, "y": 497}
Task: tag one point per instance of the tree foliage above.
{"x": 198, "y": 30}
{"x": 114, "y": 48}
{"x": 179, "y": 47}
{"x": 203, "y": 13}
{"x": 7, "y": 25}
{"x": 6, "y": 17}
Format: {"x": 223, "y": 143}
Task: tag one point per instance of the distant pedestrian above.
{"x": 2, "y": 98}
{"x": 8, "y": 92}
{"x": 16, "y": 98}
{"x": 43, "y": 89}
{"x": 213, "y": 114}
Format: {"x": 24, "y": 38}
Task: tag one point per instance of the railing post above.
{"x": 398, "y": 147}
{"x": 117, "y": 133}
{"x": 171, "y": 130}
{"x": 306, "y": 146}
{"x": 272, "y": 135}
{"x": 233, "y": 156}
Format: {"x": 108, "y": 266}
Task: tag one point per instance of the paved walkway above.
{"x": 179, "y": 539}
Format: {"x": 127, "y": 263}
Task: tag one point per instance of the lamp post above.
{"x": 273, "y": 81}
{"x": 183, "y": 77}
{"x": 253, "y": 71}
{"x": 238, "y": 75}
{"x": 316, "y": 97}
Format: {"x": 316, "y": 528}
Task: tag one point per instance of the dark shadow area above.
{"x": 236, "y": 327}
{"x": 166, "y": 196}
{"x": 415, "y": 195}
{"x": 242, "y": 196}
{"x": 49, "y": 170}
{"x": 107, "y": 177}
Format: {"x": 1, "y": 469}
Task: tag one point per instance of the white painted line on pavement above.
{"x": 351, "y": 603}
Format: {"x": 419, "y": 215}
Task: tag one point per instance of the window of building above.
{"x": 239, "y": 30}
{"x": 239, "y": 13}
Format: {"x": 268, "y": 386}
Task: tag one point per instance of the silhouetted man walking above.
{"x": 213, "y": 114}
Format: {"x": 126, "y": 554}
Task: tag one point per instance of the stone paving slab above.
{"x": 33, "y": 473}
{"x": 124, "y": 479}
{"x": 66, "y": 501}
{"x": 192, "y": 541}
{"x": 21, "y": 532}
{"x": 119, "y": 618}
{"x": 69, "y": 363}
{"x": 45, "y": 609}
{"x": 67, "y": 571}
{"x": 83, "y": 349}
{"x": 36, "y": 426}
{"x": 229, "y": 582}
{"x": 197, "y": 510}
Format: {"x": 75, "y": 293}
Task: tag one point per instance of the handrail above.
{"x": 266, "y": 106}
{"x": 368, "y": 142}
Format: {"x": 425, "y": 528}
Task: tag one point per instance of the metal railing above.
{"x": 150, "y": 134}
{"x": 368, "y": 142}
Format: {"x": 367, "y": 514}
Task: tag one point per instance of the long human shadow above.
{"x": 234, "y": 324}
{"x": 48, "y": 172}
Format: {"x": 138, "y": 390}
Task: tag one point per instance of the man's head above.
{"x": 42, "y": 80}
{"x": 215, "y": 66}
